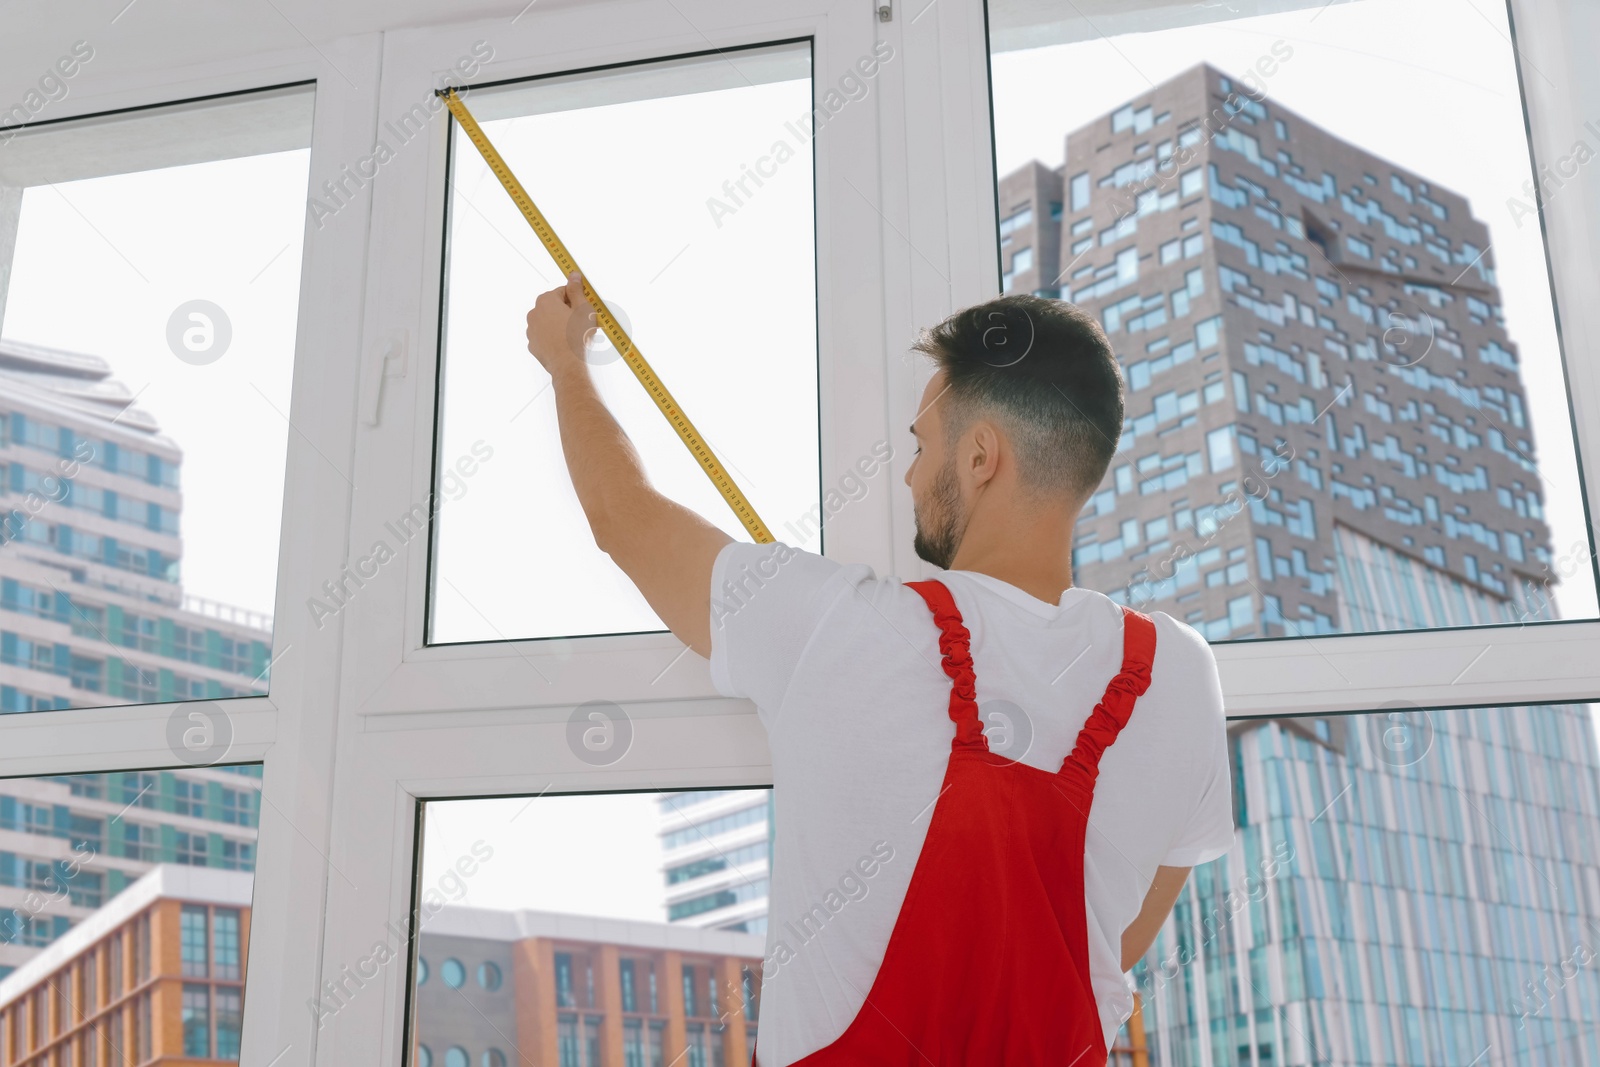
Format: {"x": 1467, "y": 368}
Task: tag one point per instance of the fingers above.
{"x": 575, "y": 289}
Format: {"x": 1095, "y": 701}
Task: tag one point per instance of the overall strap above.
{"x": 1111, "y": 714}
{"x": 954, "y": 642}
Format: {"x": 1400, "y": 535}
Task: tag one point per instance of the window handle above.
{"x": 387, "y": 360}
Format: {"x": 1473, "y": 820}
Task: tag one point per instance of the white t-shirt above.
{"x": 844, "y": 668}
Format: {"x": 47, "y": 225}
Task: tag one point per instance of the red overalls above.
{"x": 988, "y": 963}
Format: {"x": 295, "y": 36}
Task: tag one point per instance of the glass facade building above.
{"x": 716, "y": 855}
{"x": 92, "y": 611}
{"x": 1327, "y": 432}
{"x": 157, "y": 976}
{"x": 70, "y": 844}
{"x": 497, "y": 986}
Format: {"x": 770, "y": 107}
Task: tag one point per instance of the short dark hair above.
{"x": 1045, "y": 370}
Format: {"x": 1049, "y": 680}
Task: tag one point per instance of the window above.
{"x": 170, "y": 574}
{"x": 616, "y": 906}
{"x": 196, "y": 1020}
{"x": 1311, "y": 441}
{"x": 1080, "y": 191}
{"x": 228, "y": 1022}
{"x": 718, "y": 119}
{"x": 95, "y": 487}
{"x": 195, "y": 950}
{"x": 188, "y": 798}
{"x": 225, "y": 942}
{"x": 1219, "y": 448}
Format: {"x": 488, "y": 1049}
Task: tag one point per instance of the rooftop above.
{"x": 72, "y": 384}
{"x": 206, "y": 885}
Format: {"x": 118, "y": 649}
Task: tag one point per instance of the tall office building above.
{"x": 716, "y": 852}
{"x": 1326, "y": 432}
{"x": 92, "y": 613}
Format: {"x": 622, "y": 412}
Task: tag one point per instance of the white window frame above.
{"x": 290, "y": 731}
{"x": 420, "y": 721}
{"x": 364, "y": 719}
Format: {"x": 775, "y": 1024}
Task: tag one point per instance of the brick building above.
{"x": 156, "y": 976}
{"x": 576, "y": 991}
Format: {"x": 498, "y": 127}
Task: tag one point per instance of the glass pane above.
{"x": 711, "y": 263}
{"x": 1405, "y": 887}
{"x": 1310, "y": 238}
{"x": 125, "y": 915}
{"x": 587, "y": 930}
{"x": 149, "y": 281}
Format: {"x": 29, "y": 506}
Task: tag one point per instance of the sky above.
{"x": 737, "y": 348}
{"x": 593, "y": 855}
{"x": 100, "y": 267}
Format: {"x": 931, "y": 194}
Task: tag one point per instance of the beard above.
{"x": 941, "y": 521}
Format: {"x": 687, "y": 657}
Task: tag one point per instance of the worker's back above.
{"x": 846, "y": 669}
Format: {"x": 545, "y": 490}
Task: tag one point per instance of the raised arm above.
{"x": 666, "y": 549}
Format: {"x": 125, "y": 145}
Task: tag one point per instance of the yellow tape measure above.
{"x": 613, "y": 329}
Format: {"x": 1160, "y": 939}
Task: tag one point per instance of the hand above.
{"x": 559, "y": 325}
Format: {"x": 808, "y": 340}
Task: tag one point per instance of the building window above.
{"x": 1219, "y": 448}
{"x": 141, "y": 842}
{"x": 695, "y": 1034}
{"x": 238, "y": 807}
{"x": 194, "y": 950}
{"x": 196, "y": 1020}
{"x": 489, "y": 976}
{"x": 142, "y": 958}
{"x": 565, "y": 997}
{"x": 143, "y": 1039}
{"x": 91, "y": 982}
{"x": 630, "y": 999}
{"x": 115, "y": 966}
{"x": 188, "y": 798}
{"x": 141, "y": 788}
{"x": 1080, "y": 192}
{"x": 238, "y": 855}
{"x": 230, "y": 1018}
{"x": 567, "y": 1040}
{"x": 632, "y": 1043}
{"x": 453, "y": 973}
{"x": 189, "y": 848}
{"x": 225, "y": 942}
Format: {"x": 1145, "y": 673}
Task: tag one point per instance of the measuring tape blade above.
{"x": 608, "y": 323}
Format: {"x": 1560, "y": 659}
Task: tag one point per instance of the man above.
{"x": 942, "y": 893}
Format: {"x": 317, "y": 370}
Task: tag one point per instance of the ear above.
{"x": 984, "y": 451}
